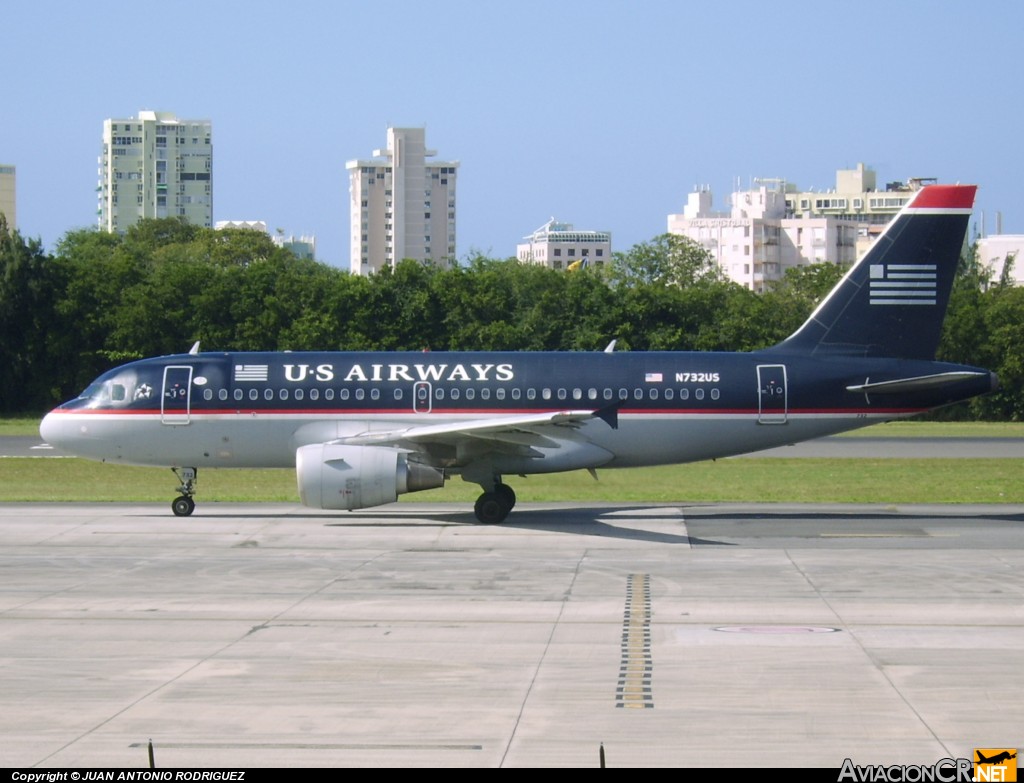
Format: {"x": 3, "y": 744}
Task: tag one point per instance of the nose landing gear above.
{"x": 184, "y": 505}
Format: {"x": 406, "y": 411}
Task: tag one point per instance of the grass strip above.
{"x": 731, "y": 480}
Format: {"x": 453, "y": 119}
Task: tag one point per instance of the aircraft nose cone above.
{"x": 51, "y": 429}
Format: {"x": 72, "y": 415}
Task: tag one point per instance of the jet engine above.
{"x": 335, "y": 476}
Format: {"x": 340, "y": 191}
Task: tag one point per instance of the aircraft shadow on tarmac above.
{"x": 599, "y": 521}
{"x": 617, "y": 521}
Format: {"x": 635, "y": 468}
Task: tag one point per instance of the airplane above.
{"x": 362, "y": 428}
{"x": 996, "y": 759}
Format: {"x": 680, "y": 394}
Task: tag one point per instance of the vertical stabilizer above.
{"x": 893, "y": 300}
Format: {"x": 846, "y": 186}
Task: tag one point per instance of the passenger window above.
{"x": 222, "y": 394}
{"x": 546, "y": 394}
{"x": 531, "y": 394}
{"x": 714, "y": 394}
{"x": 343, "y": 394}
{"x": 299, "y": 394}
{"x": 699, "y": 394}
{"x": 592, "y": 394}
{"x": 268, "y": 394}
{"x": 669, "y": 394}
{"x": 684, "y": 394}
{"x": 516, "y": 394}
{"x": 623, "y": 394}
{"x": 485, "y": 394}
{"x": 283, "y": 394}
{"x": 499, "y": 394}
{"x": 207, "y": 394}
{"x": 329, "y": 394}
{"x": 314, "y": 394}
{"x": 439, "y": 394}
{"x": 238, "y": 394}
{"x": 360, "y": 394}
{"x": 455, "y": 394}
{"x": 653, "y": 394}
{"x": 398, "y": 394}
{"x": 254, "y": 394}
{"x": 608, "y": 394}
{"x": 374, "y": 394}
{"x": 577, "y": 394}
{"x": 638, "y": 394}
{"x": 561, "y": 394}
{"x": 470, "y": 394}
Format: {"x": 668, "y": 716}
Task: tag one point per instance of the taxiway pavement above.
{"x": 717, "y": 635}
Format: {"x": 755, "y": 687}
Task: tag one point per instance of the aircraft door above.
{"x": 421, "y": 397}
{"x": 176, "y": 401}
{"x": 772, "y": 394}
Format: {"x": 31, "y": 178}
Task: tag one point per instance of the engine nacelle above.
{"x": 336, "y": 476}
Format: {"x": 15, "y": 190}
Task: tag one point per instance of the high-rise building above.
{"x": 559, "y": 246}
{"x": 7, "y": 195}
{"x": 401, "y": 206}
{"x": 155, "y": 166}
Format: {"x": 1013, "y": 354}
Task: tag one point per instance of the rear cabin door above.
{"x": 772, "y": 394}
{"x": 176, "y": 402}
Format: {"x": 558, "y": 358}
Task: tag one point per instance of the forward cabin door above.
{"x": 772, "y": 394}
{"x": 176, "y": 401}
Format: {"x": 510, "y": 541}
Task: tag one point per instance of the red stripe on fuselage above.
{"x": 482, "y": 412}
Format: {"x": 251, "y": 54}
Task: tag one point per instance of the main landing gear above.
{"x": 183, "y": 505}
{"x": 493, "y": 506}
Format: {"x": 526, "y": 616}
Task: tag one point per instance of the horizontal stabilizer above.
{"x": 920, "y": 383}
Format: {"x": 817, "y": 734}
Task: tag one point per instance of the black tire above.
{"x": 490, "y": 509}
{"x": 507, "y": 495}
{"x": 183, "y": 506}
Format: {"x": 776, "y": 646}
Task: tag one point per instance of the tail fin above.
{"x": 893, "y": 301}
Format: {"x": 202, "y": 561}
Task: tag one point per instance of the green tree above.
{"x": 668, "y": 259}
{"x": 27, "y": 283}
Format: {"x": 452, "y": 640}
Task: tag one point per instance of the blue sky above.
{"x": 620, "y": 108}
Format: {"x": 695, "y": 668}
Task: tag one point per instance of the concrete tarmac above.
{"x": 721, "y": 636}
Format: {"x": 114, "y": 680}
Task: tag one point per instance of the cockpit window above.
{"x": 120, "y": 391}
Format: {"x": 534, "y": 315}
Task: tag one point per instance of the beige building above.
{"x": 155, "y": 166}
{"x": 559, "y": 245}
{"x": 757, "y": 241}
{"x": 856, "y": 198}
{"x": 7, "y": 201}
{"x": 401, "y": 205}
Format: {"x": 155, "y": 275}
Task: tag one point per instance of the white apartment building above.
{"x": 558, "y": 245}
{"x": 7, "y": 205}
{"x": 401, "y": 205}
{"x": 155, "y": 166}
{"x": 756, "y": 241}
{"x": 995, "y": 250}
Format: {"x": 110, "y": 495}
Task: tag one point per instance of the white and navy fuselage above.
{"x": 362, "y": 428}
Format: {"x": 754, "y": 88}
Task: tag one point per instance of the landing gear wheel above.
{"x": 183, "y": 506}
{"x": 490, "y": 508}
{"x": 507, "y": 495}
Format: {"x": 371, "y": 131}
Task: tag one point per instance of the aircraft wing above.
{"x": 521, "y": 430}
